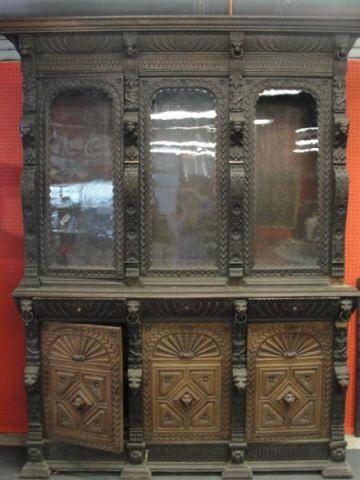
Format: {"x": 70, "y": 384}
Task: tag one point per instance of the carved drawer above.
{"x": 82, "y": 385}
{"x": 187, "y": 382}
{"x": 290, "y": 381}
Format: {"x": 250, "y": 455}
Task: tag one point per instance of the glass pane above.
{"x": 81, "y": 187}
{"x": 183, "y": 179}
{"x": 286, "y": 138}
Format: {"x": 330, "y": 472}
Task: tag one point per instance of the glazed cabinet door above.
{"x": 183, "y": 176}
{"x": 82, "y": 385}
{"x": 290, "y": 381}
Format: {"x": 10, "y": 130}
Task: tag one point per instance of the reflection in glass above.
{"x": 182, "y": 179}
{"x": 286, "y": 139}
{"x": 80, "y": 177}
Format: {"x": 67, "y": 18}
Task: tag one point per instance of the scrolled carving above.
{"x": 26, "y": 45}
{"x": 341, "y": 124}
{"x": 293, "y": 308}
{"x": 79, "y": 308}
{"x": 200, "y": 42}
{"x": 184, "y": 308}
{"x": 340, "y": 343}
{"x": 237, "y": 41}
{"x": 288, "y": 43}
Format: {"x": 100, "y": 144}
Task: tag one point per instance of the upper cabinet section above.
{"x": 185, "y": 148}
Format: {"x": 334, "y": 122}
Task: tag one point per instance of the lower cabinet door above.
{"x": 82, "y": 385}
{"x": 187, "y": 382}
{"x": 290, "y": 381}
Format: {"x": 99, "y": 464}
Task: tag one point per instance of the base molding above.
{"x": 35, "y": 470}
{"x": 234, "y": 472}
{"x": 135, "y": 472}
{"x": 337, "y": 470}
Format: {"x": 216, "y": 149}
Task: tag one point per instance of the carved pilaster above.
{"x": 340, "y": 132}
{"x": 27, "y": 131}
{"x": 35, "y": 467}
{"x": 237, "y": 467}
{"x": 337, "y": 462}
{"x": 131, "y": 183}
{"x": 236, "y": 157}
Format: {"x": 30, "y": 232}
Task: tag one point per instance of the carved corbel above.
{"x": 237, "y": 41}
{"x": 342, "y": 47}
{"x": 341, "y": 127}
{"x": 26, "y": 45}
{"x": 340, "y": 344}
{"x": 130, "y": 42}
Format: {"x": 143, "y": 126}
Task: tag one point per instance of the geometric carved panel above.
{"x": 187, "y": 382}
{"x": 290, "y": 378}
{"x": 82, "y": 385}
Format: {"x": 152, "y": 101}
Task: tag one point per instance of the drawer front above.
{"x": 290, "y": 381}
{"x": 82, "y": 385}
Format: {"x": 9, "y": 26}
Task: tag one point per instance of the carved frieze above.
{"x": 188, "y": 308}
{"x": 293, "y": 308}
{"x": 78, "y": 43}
{"x": 187, "y": 382}
{"x": 192, "y": 43}
{"x": 288, "y": 43}
{"x": 290, "y": 381}
{"x": 55, "y": 308}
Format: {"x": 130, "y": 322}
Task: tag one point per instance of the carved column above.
{"x": 238, "y": 468}
{"x": 131, "y": 174}
{"x": 341, "y": 125}
{"x": 338, "y": 465}
{"x": 236, "y": 156}
{"x": 136, "y": 447}
{"x": 28, "y": 178}
{"x": 35, "y": 467}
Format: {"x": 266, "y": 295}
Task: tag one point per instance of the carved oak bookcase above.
{"x": 184, "y": 198}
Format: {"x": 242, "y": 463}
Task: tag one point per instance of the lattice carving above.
{"x": 187, "y": 381}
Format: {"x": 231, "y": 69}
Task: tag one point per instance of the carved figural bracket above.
{"x": 340, "y": 343}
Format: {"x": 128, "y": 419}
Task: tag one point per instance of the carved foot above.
{"x": 234, "y": 472}
{"x": 135, "y": 472}
{"x": 35, "y": 470}
{"x": 337, "y": 470}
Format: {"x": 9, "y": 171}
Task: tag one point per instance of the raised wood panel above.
{"x": 82, "y": 385}
{"x": 187, "y": 382}
{"x": 290, "y": 381}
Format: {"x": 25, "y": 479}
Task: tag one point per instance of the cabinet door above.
{"x": 289, "y": 381}
{"x": 82, "y": 385}
{"x": 187, "y": 382}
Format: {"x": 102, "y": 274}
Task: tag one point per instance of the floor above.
{"x": 12, "y": 458}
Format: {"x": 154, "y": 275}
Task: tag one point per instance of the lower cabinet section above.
{"x": 290, "y": 381}
{"x": 187, "y": 382}
{"x": 186, "y": 404}
{"x": 82, "y": 385}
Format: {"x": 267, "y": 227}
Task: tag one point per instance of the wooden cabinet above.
{"x": 82, "y": 385}
{"x": 184, "y": 197}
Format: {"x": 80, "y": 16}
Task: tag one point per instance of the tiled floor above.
{"x": 12, "y": 458}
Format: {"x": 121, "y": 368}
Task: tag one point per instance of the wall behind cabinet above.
{"x": 12, "y": 397}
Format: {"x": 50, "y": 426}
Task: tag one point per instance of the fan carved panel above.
{"x": 187, "y": 382}
{"x": 82, "y": 385}
{"x": 289, "y": 381}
